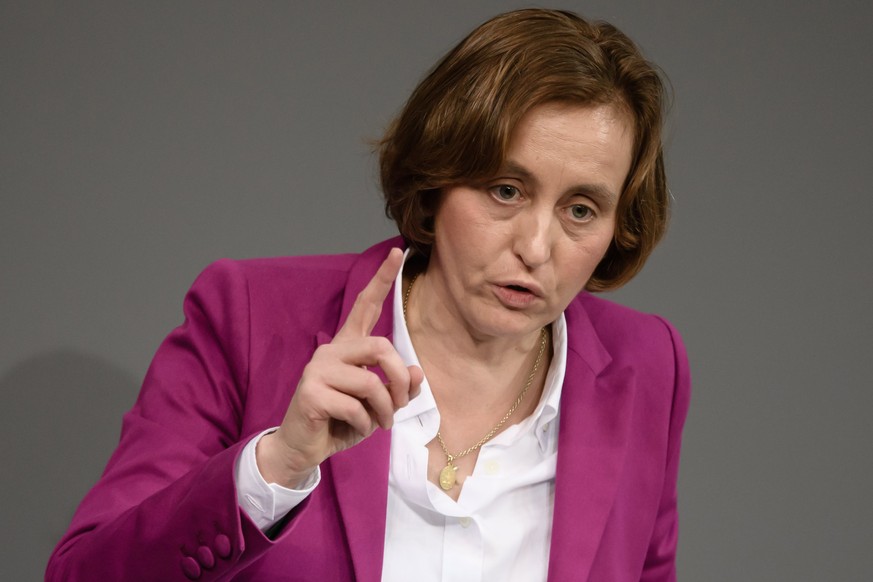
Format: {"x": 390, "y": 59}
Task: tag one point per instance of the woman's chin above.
{"x": 506, "y": 323}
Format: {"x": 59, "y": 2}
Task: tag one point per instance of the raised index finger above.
{"x": 368, "y": 305}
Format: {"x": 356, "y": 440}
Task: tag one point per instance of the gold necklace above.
{"x": 448, "y": 476}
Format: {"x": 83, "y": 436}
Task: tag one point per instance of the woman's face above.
{"x": 511, "y": 253}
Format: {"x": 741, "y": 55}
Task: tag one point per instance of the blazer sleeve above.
{"x": 660, "y": 563}
{"x": 166, "y": 507}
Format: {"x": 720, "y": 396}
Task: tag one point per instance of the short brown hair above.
{"x": 457, "y": 124}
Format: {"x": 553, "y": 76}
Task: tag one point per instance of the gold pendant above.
{"x": 447, "y": 477}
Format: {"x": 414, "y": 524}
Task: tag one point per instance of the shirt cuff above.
{"x": 266, "y": 503}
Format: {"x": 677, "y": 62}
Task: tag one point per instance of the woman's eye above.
{"x": 581, "y": 212}
{"x": 505, "y": 193}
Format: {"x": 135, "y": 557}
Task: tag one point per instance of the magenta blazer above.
{"x": 165, "y": 508}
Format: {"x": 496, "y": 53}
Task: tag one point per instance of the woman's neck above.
{"x": 465, "y": 368}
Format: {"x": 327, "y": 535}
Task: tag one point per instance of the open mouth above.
{"x": 516, "y": 296}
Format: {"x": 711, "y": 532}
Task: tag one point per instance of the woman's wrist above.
{"x": 276, "y": 465}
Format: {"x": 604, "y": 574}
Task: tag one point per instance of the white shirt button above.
{"x": 492, "y": 468}
{"x": 465, "y": 521}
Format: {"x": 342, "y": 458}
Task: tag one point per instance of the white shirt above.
{"x": 500, "y": 527}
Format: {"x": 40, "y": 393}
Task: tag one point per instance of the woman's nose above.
{"x": 534, "y": 238}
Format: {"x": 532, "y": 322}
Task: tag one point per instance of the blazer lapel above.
{"x": 596, "y": 403}
{"x": 360, "y": 474}
{"x": 360, "y": 478}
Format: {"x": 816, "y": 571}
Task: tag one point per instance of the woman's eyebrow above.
{"x": 600, "y": 192}
{"x": 511, "y": 167}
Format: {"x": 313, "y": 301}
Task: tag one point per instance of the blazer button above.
{"x": 222, "y": 545}
{"x": 191, "y": 568}
{"x": 205, "y": 557}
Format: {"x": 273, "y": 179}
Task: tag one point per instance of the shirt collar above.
{"x": 424, "y": 402}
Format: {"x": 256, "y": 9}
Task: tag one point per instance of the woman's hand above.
{"x": 339, "y": 402}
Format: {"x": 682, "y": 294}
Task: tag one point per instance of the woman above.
{"x": 458, "y": 411}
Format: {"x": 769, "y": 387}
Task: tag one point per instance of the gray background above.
{"x": 141, "y": 141}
